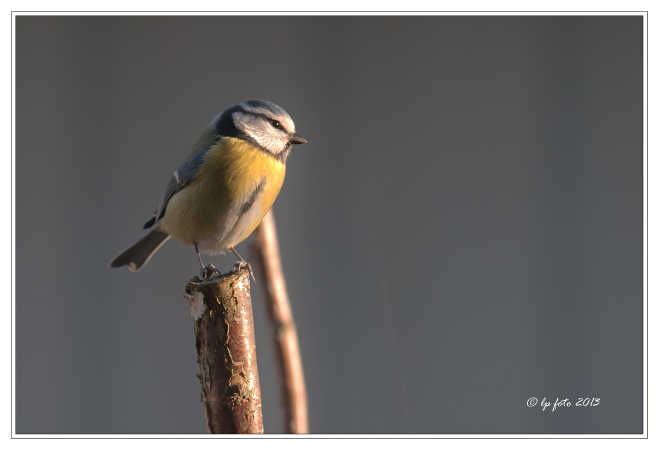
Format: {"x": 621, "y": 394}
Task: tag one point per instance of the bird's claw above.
{"x": 239, "y": 265}
{"x": 208, "y": 271}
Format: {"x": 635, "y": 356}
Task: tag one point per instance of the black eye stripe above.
{"x": 274, "y": 122}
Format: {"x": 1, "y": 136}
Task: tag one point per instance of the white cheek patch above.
{"x": 259, "y": 130}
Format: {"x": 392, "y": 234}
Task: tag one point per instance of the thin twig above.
{"x": 266, "y": 249}
{"x": 224, "y": 336}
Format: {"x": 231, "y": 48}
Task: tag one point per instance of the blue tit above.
{"x": 220, "y": 194}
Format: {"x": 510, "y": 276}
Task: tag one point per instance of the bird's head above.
{"x": 262, "y": 123}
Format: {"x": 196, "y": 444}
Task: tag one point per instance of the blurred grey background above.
{"x": 463, "y": 233}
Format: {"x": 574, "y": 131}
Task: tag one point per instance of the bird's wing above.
{"x": 184, "y": 174}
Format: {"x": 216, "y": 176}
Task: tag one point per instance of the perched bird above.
{"x": 225, "y": 187}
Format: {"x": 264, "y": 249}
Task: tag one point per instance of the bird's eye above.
{"x": 276, "y": 124}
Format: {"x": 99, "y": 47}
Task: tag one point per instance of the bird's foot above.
{"x": 208, "y": 271}
{"x": 239, "y": 265}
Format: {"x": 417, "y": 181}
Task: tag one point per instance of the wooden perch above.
{"x": 224, "y": 335}
{"x": 266, "y": 251}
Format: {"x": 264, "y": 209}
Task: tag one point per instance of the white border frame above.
{"x": 644, "y": 435}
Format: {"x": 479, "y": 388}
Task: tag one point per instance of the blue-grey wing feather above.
{"x": 185, "y": 173}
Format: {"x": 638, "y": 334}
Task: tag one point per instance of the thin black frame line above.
{"x": 329, "y": 11}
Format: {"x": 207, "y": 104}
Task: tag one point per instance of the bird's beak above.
{"x": 298, "y": 140}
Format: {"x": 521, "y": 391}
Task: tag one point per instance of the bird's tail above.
{"x": 142, "y": 251}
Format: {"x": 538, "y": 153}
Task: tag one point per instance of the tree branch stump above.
{"x": 221, "y": 307}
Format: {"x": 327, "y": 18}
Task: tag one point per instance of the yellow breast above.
{"x": 211, "y": 210}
